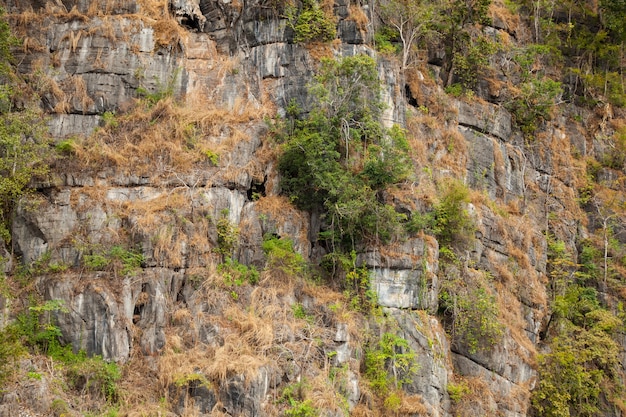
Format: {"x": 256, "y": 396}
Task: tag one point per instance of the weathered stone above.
{"x": 95, "y": 322}
{"x": 243, "y": 398}
{"x": 193, "y": 394}
{"x": 428, "y": 340}
{"x": 487, "y": 118}
{"x": 405, "y": 275}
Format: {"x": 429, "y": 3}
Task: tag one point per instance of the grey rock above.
{"x": 243, "y": 398}
{"x": 485, "y": 117}
{"x": 404, "y": 276}
{"x": 428, "y": 340}
{"x": 95, "y": 322}
{"x": 195, "y": 393}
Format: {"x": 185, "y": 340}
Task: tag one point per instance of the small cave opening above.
{"x": 140, "y": 304}
{"x": 256, "y": 190}
{"x": 190, "y": 22}
{"x": 409, "y": 96}
{"x": 180, "y": 295}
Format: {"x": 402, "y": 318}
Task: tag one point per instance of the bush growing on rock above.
{"x": 337, "y": 159}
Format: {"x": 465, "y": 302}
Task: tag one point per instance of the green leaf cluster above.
{"x": 293, "y": 396}
{"x": 281, "y": 255}
{"x": 227, "y": 235}
{"x": 236, "y": 273}
{"x": 310, "y": 23}
{"x": 390, "y": 363}
{"x": 118, "y": 259}
{"x": 591, "y": 40}
{"x": 474, "y": 315}
{"x": 579, "y": 373}
{"x": 339, "y": 157}
{"x": 24, "y": 145}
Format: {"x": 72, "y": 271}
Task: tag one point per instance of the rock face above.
{"x": 96, "y": 64}
{"x": 404, "y": 276}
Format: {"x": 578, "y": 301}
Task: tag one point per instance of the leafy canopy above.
{"x": 338, "y": 158}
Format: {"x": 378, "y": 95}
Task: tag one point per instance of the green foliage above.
{"x": 339, "y": 158}
{"x": 281, "y": 255}
{"x": 23, "y": 152}
{"x": 411, "y": 24}
{"x": 118, "y": 259}
{"x": 299, "y": 312}
{"x": 36, "y": 329}
{"x": 474, "y": 315}
{"x": 384, "y": 41}
{"x": 534, "y": 103}
{"x": 66, "y": 147}
{"x": 561, "y": 267}
{"x": 310, "y": 23}
{"x": 91, "y": 375}
{"x": 471, "y": 59}
{"x": 591, "y": 40}
{"x": 293, "y": 396}
{"x": 451, "y": 223}
{"x": 23, "y": 137}
{"x": 227, "y": 236}
{"x": 469, "y": 52}
{"x": 582, "y": 362}
{"x": 390, "y": 363}
{"x": 615, "y": 157}
{"x": 11, "y": 349}
{"x": 161, "y": 92}
{"x": 457, "y": 391}
{"x": 362, "y": 297}
{"x": 236, "y": 273}
{"x": 109, "y": 120}
{"x": 213, "y": 157}
{"x": 7, "y": 40}
{"x": 579, "y": 373}
{"x": 185, "y": 379}
{"x": 455, "y": 90}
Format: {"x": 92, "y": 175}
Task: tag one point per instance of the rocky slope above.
{"x": 165, "y": 105}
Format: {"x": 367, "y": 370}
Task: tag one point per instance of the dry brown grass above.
{"x": 20, "y": 22}
{"x": 167, "y": 32}
{"x": 358, "y": 16}
{"x": 412, "y": 405}
{"x": 498, "y": 10}
{"x": 154, "y": 9}
{"x": 280, "y": 210}
{"x": 235, "y": 357}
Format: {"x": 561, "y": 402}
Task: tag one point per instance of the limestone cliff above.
{"x": 168, "y": 109}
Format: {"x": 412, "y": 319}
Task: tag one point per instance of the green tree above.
{"x": 583, "y": 359}
{"x": 467, "y": 51}
{"x": 339, "y": 158}
{"x": 24, "y": 145}
{"x": 310, "y": 23}
{"x": 414, "y": 23}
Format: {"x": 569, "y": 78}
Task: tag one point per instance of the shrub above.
{"x": 451, "y": 223}
{"x": 340, "y": 157}
{"x": 91, "y": 375}
{"x": 280, "y": 254}
{"x": 66, "y": 147}
{"x": 534, "y": 103}
{"x": 457, "y": 391}
{"x": 391, "y": 353}
{"x": 310, "y": 23}
{"x": 293, "y": 395}
{"x": 118, "y": 259}
{"x": 227, "y": 235}
{"x": 236, "y": 273}
{"x": 474, "y": 316}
